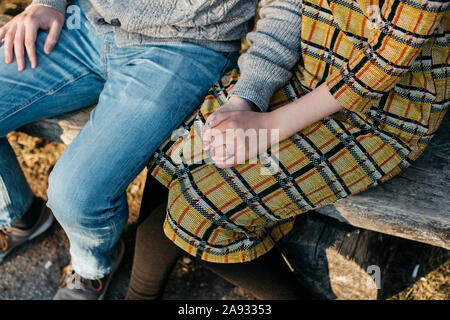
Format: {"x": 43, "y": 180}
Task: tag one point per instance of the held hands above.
{"x": 236, "y": 133}
{"x": 251, "y": 133}
{"x": 20, "y": 34}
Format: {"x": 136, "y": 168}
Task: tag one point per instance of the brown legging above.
{"x": 267, "y": 277}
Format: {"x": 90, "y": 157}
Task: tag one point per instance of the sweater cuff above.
{"x": 59, "y": 5}
{"x": 258, "y": 82}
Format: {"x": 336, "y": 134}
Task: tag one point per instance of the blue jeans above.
{"x": 143, "y": 93}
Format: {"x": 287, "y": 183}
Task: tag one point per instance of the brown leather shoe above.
{"x": 74, "y": 287}
{"x": 11, "y": 238}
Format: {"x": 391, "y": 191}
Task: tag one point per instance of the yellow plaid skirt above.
{"x": 238, "y": 214}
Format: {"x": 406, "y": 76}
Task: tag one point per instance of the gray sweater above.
{"x": 217, "y": 24}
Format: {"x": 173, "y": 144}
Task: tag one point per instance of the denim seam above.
{"x": 224, "y": 67}
{"x": 38, "y": 96}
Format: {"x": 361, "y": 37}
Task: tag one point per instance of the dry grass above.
{"x": 433, "y": 278}
{"x": 434, "y": 286}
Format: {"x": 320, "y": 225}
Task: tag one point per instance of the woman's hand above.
{"x": 20, "y": 34}
{"x": 236, "y": 133}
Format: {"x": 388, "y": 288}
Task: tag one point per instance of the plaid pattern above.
{"x": 393, "y": 84}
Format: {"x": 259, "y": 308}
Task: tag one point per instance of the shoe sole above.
{"x": 116, "y": 266}
{"x": 44, "y": 227}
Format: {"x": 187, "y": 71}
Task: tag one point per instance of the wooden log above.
{"x": 337, "y": 261}
{"x": 61, "y": 129}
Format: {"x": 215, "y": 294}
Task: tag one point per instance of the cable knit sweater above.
{"x": 217, "y": 24}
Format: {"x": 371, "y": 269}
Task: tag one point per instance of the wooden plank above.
{"x": 61, "y": 129}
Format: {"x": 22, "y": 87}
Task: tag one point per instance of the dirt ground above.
{"x": 33, "y": 272}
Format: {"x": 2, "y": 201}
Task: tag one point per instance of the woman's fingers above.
{"x": 206, "y": 138}
{"x": 19, "y": 49}
{"x": 53, "y": 35}
{"x": 215, "y": 119}
{"x": 222, "y": 157}
{"x": 220, "y": 153}
{"x": 30, "y": 44}
{"x": 212, "y": 122}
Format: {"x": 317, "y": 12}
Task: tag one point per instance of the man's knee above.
{"x": 72, "y": 199}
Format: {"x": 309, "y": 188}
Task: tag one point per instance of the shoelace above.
{"x": 4, "y": 239}
{"x": 73, "y": 280}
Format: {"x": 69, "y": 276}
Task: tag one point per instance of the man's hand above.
{"x": 20, "y": 34}
{"x": 232, "y": 134}
{"x": 233, "y": 104}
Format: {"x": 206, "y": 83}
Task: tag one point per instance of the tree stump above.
{"x": 338, "y": 261}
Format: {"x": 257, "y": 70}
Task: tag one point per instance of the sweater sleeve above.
{"x": 59, "y": 5}
{"x": 274, "y": 49}
{"x": 400, "y": 31}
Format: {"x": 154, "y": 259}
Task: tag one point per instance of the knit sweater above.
{"x": 217, "y": 24}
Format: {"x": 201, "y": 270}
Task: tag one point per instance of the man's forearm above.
{"x": 274, "y": 50}
{"x": 305, "y": 111}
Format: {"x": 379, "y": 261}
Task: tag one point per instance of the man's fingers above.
{"x": 213, "y": 137}
{"x": 53, "y": 35}
{"x": 19, "y": 49}
{"x": 9, "y": 44}
{"x": 30, "y": 44}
